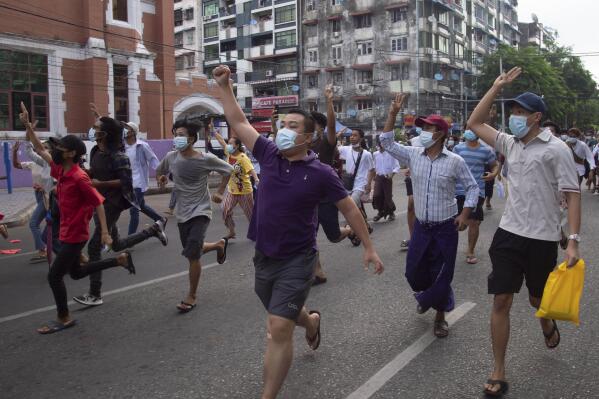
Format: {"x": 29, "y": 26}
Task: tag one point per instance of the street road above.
{"x": 137, "y": 346}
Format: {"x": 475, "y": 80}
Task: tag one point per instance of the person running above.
{"x": 42, "y": 185}
{"x": 78, "y": 199}
{"x": 525, "y": 244}
{"x": 478, "y": 158}
{"x": 435, "y": 171}
{"x": 490, "y": 184}
{"x": 142, "y": 158}
{"x": 581, "y": 153}
{"x": 110, "y": 171}
{"x": 293, "y": 183}
{"x": 239, "y": 190}
{"x": 190, "y": 170}
{"x": 385, "y": 167}
{"x": 359, "y": 170}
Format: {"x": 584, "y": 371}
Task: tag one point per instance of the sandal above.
{"x": 319, "y": 280}
{"x": 3, "y": 231}
{"x": 441, "y": 329}
{"x": 355, "y": 241}
{"x": 503, "y": 387}
{"x": 471, "y": 260}
{"x": 222, "y": 257}
{"x": 55, "y": 326}
{"x": 185, "y": 307}
{"x": 314, "y": 342}
{"x": 38, "y": 259}
{"x": 548, "y": 337}
{"x": 130, "y": 266}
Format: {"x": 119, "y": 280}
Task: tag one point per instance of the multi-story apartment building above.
{"x": 535, "y": 33}
{"x": 188, "y": 38}
{"x": 370, "y": 49}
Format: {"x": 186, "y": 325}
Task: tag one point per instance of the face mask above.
{"x": 57, "y": 157}
{"x": 564, "y": 137}
{"x": 470, "y": 136}
{"x": 426, "y": 138}
{"x": 180, "y": 143}
{"x": 518, "y": 126}
{"x": 91, "y": 135}
{"x": 451, "y": 143}
{"x": 285, "y": 139}
{"x": 230, "y": 149}
{"x": 571, "y": 140}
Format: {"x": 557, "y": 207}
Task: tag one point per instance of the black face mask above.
{"x": 57, "y": 157}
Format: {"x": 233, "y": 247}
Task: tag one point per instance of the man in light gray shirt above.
{"x": 190, "y": 170}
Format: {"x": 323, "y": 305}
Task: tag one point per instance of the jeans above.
{"x": 67, "y": 261}
{"x": 94, "y": 248}
{"x": 134, "y": 212}
{"x": 36, "y": 219}
{"x": 173, "y": 202}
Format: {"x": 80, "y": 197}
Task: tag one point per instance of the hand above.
{"x": 24, "y": 115}
{"x": 572, "y": 254}
{"x": 162, "y": 181}
{"x": 398, "y": 102}
{"x": 274, "y": 114}
{"x": 507, "y": 78}
{"x": 370, "y": 256}
{"x": 460, "y": 221}
{"x": 222, "y": 75}
{"x": 106, "y": 239}
{"x": 407, "y": 173}
{"x": 328, "y": 92}
{"x": 96, "y": 183}
{"x": 217, "y": 198}
{"x": 94, "y": 110}
{"x": 488, "y": 176}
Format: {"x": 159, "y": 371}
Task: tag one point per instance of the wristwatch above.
{"x": 574, "y": 237}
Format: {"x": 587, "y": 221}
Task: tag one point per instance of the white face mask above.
{"x": 450, "y": 143}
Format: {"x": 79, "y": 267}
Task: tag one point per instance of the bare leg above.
{"x": 473, "y": 232}
{"x": 279, "y": 354}
{"x": 500, "y": 335}
{"x": 195, "y": 271}
{"x": 546, "y": 324}
{"x": 318, "y": 270}
{"x": 213, "y": 246}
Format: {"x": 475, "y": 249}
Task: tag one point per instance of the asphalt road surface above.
{"x": 374, "y": 345}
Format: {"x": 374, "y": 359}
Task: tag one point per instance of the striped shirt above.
{"x": 434, "y": 180}
{"x": 476, "y": 158}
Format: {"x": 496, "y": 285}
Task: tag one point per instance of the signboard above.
{"x": 262, "y": 112}
{"x": 270, "y": 102}
{"x": 408, "y": 120}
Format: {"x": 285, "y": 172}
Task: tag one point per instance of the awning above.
{"x": 358, "y": 13}
{"x": 258, "y": 82}
{"x": 361, "y": 98}
{"x": 310, "y": 21}
{"x": 272, "y": 56}
{"x": 398, "y": 5}
{"x": 333, "y": 69}
{"x": 395, "y": 62}
{"x": 336, "y": 17}
{"x": 364, "y": 67}
{"x": 311, "y": 71}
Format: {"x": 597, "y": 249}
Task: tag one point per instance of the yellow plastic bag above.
{"x": 561, "y": 296}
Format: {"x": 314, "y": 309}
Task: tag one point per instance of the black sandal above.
{"x": 355, "y": 241}
{"x": 503, "y": 388}
{"x": 220, "y": 259}
{"x": 441, "y": 329}
{"x": 314, "y": 342}
{"x": 548, "y": 337}
{"x": 130, "y": 266}
{"x": 185, "y": 307}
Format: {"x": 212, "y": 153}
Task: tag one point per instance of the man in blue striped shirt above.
{"x": 435, "y": 171}
{"x": 477, "y": 156}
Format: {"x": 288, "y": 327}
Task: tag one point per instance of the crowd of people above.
{"x": 304, "y": 179}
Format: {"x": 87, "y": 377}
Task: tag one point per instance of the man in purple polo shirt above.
{"x": 284, "y": 225}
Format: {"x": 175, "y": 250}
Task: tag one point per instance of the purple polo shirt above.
{"x": 285, "y": 219}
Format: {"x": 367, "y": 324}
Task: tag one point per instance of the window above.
{"x": 398, "y": 14}
{"x": 287, "y": 65}
{"x": 312, "y": 81}
{"x": 312, "y": 106}
{"x": 337, "y": 107}
{"x": 211, "y": 52}
{"x": 491, "y": 21}
{"x": 178, "y": 17}
{"x": 363, "y": 21}
{"x": 444, "y": 18}
{"x": 23, "y": 77}
{"x": 310, "y": 5}
{"x": 338, "y": 78}
{"x": 364, "y": 105}
{"x": 119, "y": 10}
{"x": 479, "y": 36}
{"x": 399, "y": 44}
{"x": 313, "y": 55}
{"x": 457, "y": 24}
{"x": 364, "y": 76}
{"x": 426, "y": 39}
{"x": 121, "y": 92}
{"x": 179, "y": 63}
{"x": 364, "y": 48}
{"x": 285, "y": 14}
{"x": 426, "y": 69}
{"x": 210, "y": 8}
{"x": 179, "y": 39}
{"x": 443, "y": 44}
{"x": 285, "y": 39}
{"x": 479, "y": 13}
{"x": 336, "y": 26}
{"x": 336, "y": 2}
{"x": 458, "y": 51}
{"x": 336, "y": 53}
{"x": 189, "y": 14}
{"x": 210, "y": 30}
{"x": 190, "y": 36}
{"x": 400, "y": 72}
{"x": 190, "y": 60}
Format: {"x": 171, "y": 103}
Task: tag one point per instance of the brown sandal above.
{"x": 441, "y": 329}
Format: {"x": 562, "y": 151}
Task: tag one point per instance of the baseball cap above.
{"x": 70, "y": 142}
{"x": 435, "y": 120}
{"x": 133, "y": 126}
{"x": 529, "y": 101}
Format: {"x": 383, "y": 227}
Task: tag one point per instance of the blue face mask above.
{"x": 470, "y": 136}
{"x": 518, "y": 125}
{"x": 285, "y": 139}
{"x": 230, "y": 149}
{"x": 426, "y": 138}
{"x": 180, "y": 143}
{"x": 564, "y": 137}
{"x": 91, "y": 135}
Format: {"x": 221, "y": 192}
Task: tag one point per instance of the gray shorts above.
{"x": 192, "y": 233}
{"x": 283, "y": 284}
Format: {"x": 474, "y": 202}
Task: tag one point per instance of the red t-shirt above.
{"x": 77, "y": 200}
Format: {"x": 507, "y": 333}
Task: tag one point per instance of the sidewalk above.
{"x": 17, "y": 207}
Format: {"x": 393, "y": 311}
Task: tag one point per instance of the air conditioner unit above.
{"x": 363, "y": 87}
{"x": 336, "y": 34}
{"x": 270, "y": 73}
{"x": 336, "y": 62}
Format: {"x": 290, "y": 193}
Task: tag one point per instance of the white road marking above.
{"x": 107, "y": 293}
{"x": 378, "y": 380}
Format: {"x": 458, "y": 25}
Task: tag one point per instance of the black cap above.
{"x": 70, "y": 142}
{"x": 529, "y": 101}
{"x": 551, "y": 123}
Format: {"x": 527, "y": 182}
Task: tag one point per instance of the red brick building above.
{"x": 58, "y": 56}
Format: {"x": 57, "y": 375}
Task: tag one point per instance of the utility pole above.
{"x": 463, "y": 97}
{"x": 502, "y": 102}
{"x": 417, "y": 58}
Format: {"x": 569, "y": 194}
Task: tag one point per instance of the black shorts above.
{"x": 192, "y": 233}
{"x": 516, "y": 258}
{"x": 283, "y": 284}
{"x": 409, "y": 188}
{"x": 328, "y": 218}
{"x": 477, "y": 213}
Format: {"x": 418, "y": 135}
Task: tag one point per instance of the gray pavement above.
{"x": 137, "y": 346}
{"x": 17, "y": 206}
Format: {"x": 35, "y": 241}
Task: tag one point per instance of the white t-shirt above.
{"x": 131, "y": 151}
{"x": 350, "y": 156}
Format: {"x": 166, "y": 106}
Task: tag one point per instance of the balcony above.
{"x": 312, "y": 93}
{"x": 229, "y": 11}
{"x": 401, "y": 86}
{"x": 480, "y": 47}
{"x": 261, "y": 51}
{"x": 228, "y": 33}
{"x": 260, "y": 4}
{"x": 262, "y": 27}
{"x": 228, "y": 56}
{"x": 365, "y": 59}
{"x": 363, "y": 34}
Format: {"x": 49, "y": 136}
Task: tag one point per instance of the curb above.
{"x": 20, "y": 219}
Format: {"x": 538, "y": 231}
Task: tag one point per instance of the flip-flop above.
{"x": 471, "y": 260}
{"x": 548, "y": 336}
{"x": 441, "y": 329}
{"x": 503, "y": 388}
{"x": 220, "y": 259}
{"x": 314, "y": 342}
{"x": 355, "y": 241}
{"x": 185, "y": 307}
{"x": 3, "y": 231}
{"x": 38, "y": 259}
{"x": 130, "y": 266}
{"x": 56, "y": 326}
{"x": 319, "y": 280}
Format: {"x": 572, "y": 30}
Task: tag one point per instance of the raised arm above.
{"x": 234, "y": 114}
{"x": 15, "y": 156}
{"x": 220, "y": 140}
{"x": 396, "y": 106}
{"x": 33, "y": 156}
{"x": 31, "y": 136}
{"x": 274, "y": 117}
{"x": 331, "y": 118}
{"x": 478, "y": 120}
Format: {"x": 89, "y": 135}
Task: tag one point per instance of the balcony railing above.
{"x": 262, "y": 50}
{"x": 262, "y": 26}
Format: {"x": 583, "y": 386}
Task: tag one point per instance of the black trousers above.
{"x": 94, "y": 248}
{"x": 382, "y": 199}
{"x": 68, "y": 261}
